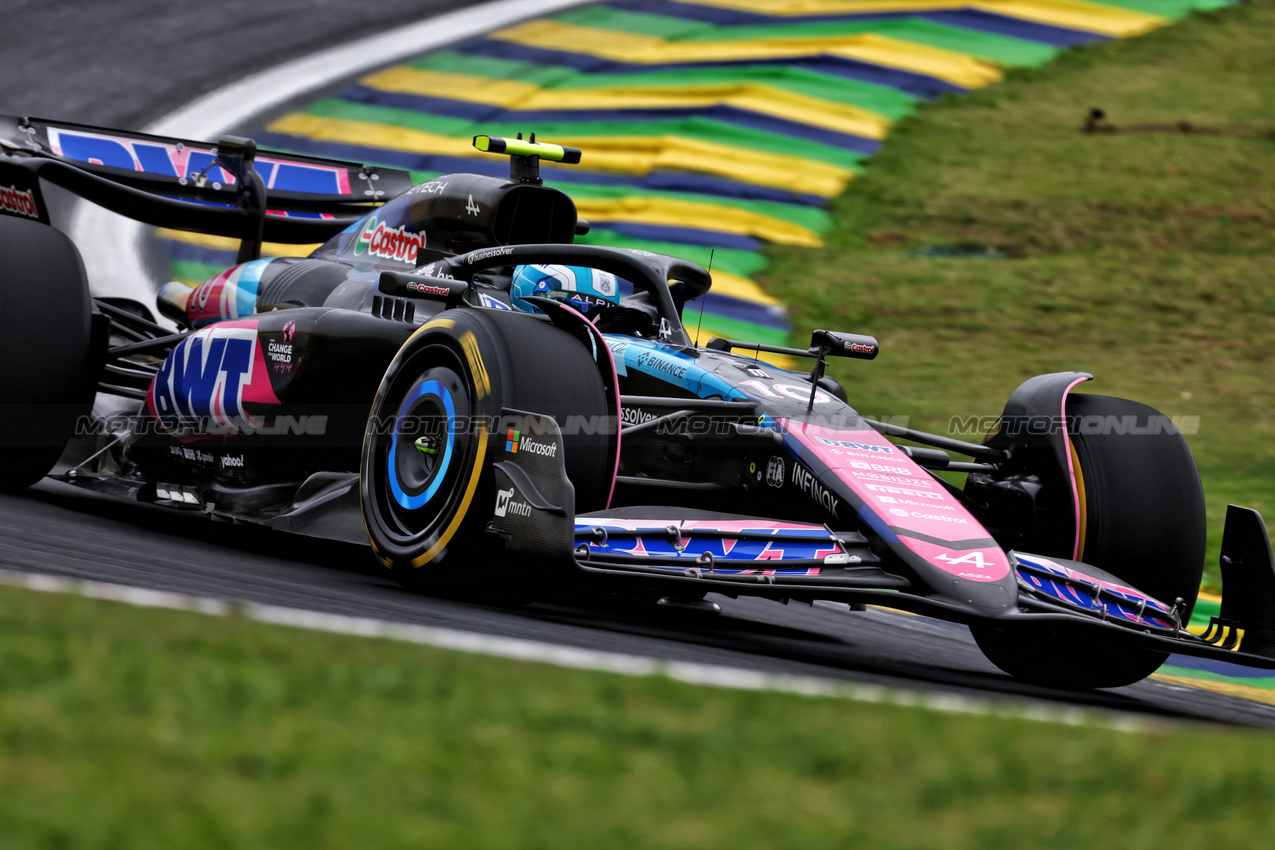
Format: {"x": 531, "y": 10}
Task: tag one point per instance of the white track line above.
{"x": 709, "y": 675}
{"x": 111, "y": 244}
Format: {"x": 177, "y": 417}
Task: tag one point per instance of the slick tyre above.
{"x": 46, "y": 381}
{"x": 426, "y": 481}
{"x": 1142, "y": 521}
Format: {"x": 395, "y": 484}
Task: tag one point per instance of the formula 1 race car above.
{"x": 514, "y": 411}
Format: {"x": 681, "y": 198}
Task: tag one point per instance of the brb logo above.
{"x": 209, "y": 376}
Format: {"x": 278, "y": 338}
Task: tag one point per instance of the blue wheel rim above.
{"x": 410, "y": 502}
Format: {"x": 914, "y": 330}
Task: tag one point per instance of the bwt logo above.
{"x": 185, "y": 162}
{"x": 516, "y": 441}
{"x": 863, "y": 447}
{"x": 205, "y": 376}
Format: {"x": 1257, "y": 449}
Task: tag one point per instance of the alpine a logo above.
{"x": 516, "y": 441}
{"x": 397, "y": 244}
{"x": 14, "y": 200}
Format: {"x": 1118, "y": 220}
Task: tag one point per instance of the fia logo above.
{"x": 775, "y": 472}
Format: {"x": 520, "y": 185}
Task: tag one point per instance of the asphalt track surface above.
{"x": 126, "y": 62}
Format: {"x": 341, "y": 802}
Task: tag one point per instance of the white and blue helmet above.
{"x": 583, "y": 288}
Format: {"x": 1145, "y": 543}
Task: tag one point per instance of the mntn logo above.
{"x": 511, "y": 442}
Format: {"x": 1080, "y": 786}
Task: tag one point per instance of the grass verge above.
{"x": 126, "y": 727}
{"x": 1147, "y": 258}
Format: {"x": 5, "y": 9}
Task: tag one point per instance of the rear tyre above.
{"x": 426, "y": 482}
{"x": 46, "y": 377}
{"x": 1142, "y": 521}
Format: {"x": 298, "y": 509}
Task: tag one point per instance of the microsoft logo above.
{"x": 515, "y": 442}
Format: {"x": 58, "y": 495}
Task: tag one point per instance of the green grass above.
{"x": 132, "y": 728}
{"x": 1147, "y": 259}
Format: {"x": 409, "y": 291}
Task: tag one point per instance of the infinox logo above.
{"x": 14, "y": 200}
{"x": 516, "y": 441}
{"x": 380, "y": 241}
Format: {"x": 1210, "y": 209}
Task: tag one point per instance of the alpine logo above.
{"x": 516, "y": 441}
{"x": 505, "y": 504}
{"x": 397, "y": 244}
{"x": 14, "y": 200}
{"x": 974, "y": 559}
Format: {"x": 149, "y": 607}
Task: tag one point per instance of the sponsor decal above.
{"x": 938, "y": 517}
{"x": 280, "y": 353}
{"x": 210, "y": 375}
{"x": 914, "y": 503}
{"x": 813, "y": 487}
{"x": 863, "y": 447}
{"x": 903, "y": 491}
{"x": 14, "y": 200}
{"x": 428, "y": 289}
{"x": 757, "y": 372}
{"x": 898, "y": 512}
{"x": 652, "y": 362}
{"x": 471, "y": 207}
{"x": 490, "y": 252}
{"x": 433, "y": 187}
{"x": 635, "y": 416}
{"x": 506, "y": 505}
{"x": 889, "y": 479}
{"x": 516, "y": 441}
{"x": 775, "y": 471}
{"x": 492, "y": 303}
{"x": 860, "y": 348}
{"x": 380, "y": 241}
{"x": 232, "y": 461}
{"x": 186, "y": 162}
{"x": 880, "y": 467}
{"x": 192, "y": 455}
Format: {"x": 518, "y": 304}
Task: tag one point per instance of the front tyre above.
{"x": 1141, "y": 520}
{"x": 426, "y": 481}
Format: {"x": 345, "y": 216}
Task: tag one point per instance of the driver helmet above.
{"x": 584, "y": 289}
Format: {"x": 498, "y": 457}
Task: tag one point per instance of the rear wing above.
{"x": 227, "y": 188}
